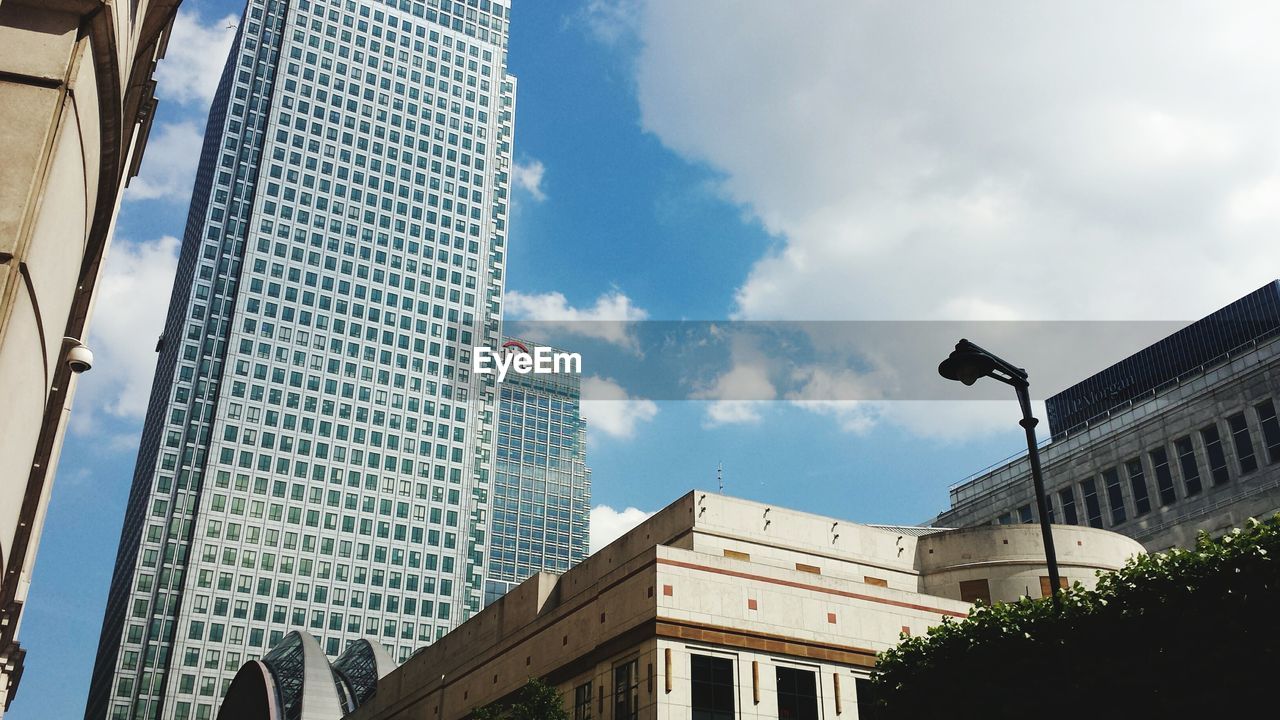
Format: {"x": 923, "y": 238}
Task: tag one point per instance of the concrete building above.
{"x": 719, "y": 607}
{"x": 542, "y": 486}
{"x": 76, "y": 104}
{"x": 1183, "y": 436}
{"x": 316, "y": 452}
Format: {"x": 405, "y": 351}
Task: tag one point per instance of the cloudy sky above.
{"x": 747, "y": 160}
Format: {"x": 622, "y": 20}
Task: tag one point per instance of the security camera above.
{"x": 79, "y": 357}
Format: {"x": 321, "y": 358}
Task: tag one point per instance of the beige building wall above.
{"x": 760, "y": 586}
{"x": 76, "y": 102}
{"x": 1010, "y": 558}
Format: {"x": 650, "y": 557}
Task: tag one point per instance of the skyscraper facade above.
{"x": 541, "y": 483}
{"x": 316, "y": 453}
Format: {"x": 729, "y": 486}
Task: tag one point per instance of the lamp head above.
{"x": 967, "y": 363}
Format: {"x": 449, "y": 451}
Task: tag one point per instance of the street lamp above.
{"x": 966, "y": 364}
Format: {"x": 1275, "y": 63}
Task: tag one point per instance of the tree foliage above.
{"x": 536, "y": 701}
{"x": 1181, "y": 634}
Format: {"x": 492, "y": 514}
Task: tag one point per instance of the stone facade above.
{"x": 787, "y": 607}
{"x": 1154, "y": 468}
{"x": 76, "y": 102}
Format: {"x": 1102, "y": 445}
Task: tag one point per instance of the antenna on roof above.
{"x": 720, "y": 476}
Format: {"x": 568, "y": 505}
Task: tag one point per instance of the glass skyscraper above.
{"x": 541, "y": 486}
{"x": 316, "y": 453}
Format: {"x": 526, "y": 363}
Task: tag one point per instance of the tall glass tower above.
{"x": 541, "y": 486}
{"x": 316, "y": 454}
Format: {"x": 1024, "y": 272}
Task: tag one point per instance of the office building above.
{"x": 719, "y": 607}
{"x": 542, "y": 486}
{"x": 1179, "y": 438}
{"x": 316, "y": 453}
{"x": 76, "y": 105}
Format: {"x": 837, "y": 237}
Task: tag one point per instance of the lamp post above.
{"x": 966, "y": 364}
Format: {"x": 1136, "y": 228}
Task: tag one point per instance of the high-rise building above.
{"x": 316, "y": 453}
{"x": 541, "y": 483}
{"x": 76, "y": 105}
{"x": 1178, "y": 438}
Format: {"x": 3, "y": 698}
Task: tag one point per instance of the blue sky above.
{"x": 718, "y": 160}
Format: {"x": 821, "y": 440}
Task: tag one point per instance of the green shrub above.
{"x": 1181, "y": 634}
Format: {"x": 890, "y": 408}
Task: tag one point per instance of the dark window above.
{"x": 1138, "y": 483}
{"x": 1005, "y": 519}
{"x": 1068, "y": 498}
{"x": 1092, "y": 508}
{"x": 1270, "y": 429}
{"x": 1244, "y": 443}
{"x": 867, "y": 708}
{"x": 712, "y": 687}
{"x": 1024, "y": 514}
{"x": 975, "y": 590}
{"x": 626, "y": 690}
{"x": 582, "y": 701}
{"x": 1187, "y": 462}
{"x": 797, "y": 694}
{"x": 1217, "y": 458}
{"x": 1164, "y": 477}
{"x": 1115, "y": 498}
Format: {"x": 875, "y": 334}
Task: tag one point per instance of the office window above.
{"x": 626, "y": 690}
{"x": 1138, "y": 484}
{"x": 1243, "y": 442}
{"x": 1067, "y": 498}
{"x": 1217, "y": 458}
{"x": 1187, "y": 462}
{"x": 1115, "y": 497}
{"x": 1270, "y": 429}
{"x": 1024, "y": 515}
{"x": 582, "y": 701}
{"x": 867, "y": 708}
{"x": 1164, "y": 477}
{"x": 797, "y": 694}
{"x": 1092, "y": 508}
{"x": 712, "y": 687}
{"x": 975, "y": 590}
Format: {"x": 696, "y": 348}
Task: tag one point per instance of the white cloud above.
{"x": 608, "y": 524}
{"x": 168, "y": 164}
{"x": 940, "y": 420}
{"x": 608, "y": 21}
{"x": 732, "y": 412}
{"x": 737, "y": 396}
{"x": 1013, "y": 159}
{"x": 193, "y": 62}
{"x": 128, "y": 317}
{"x": 528, "y": 175}
{"x": 607, "y": 320}
{"x": 611, "y": 410}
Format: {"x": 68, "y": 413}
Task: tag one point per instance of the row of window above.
{"x": 1124, "y": 492}
{"x": 713, "y": 691}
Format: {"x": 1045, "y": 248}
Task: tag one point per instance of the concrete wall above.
{"x": 781, "y": 537}
{"x": 75, "y": 105}
{"x": 1011, "y": 558}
